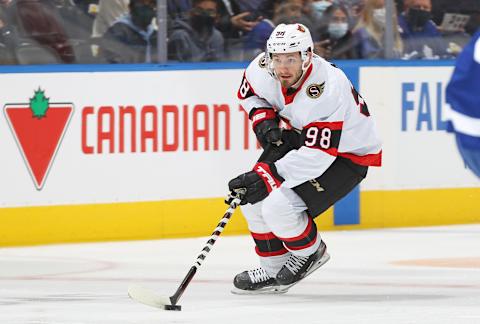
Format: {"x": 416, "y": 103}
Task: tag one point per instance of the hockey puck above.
{"x": 173, "y": 307}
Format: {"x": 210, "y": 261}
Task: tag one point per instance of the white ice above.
{"x": 87, "y": 283}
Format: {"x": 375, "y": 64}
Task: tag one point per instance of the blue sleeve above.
{"x": 463, "y": 91}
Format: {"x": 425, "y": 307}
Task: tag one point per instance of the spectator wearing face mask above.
{"x": 370, "y": 31}
{"x": 319, "y": 8}
{"x": 420, "y": 35}
{"x": 133, "y": 38}
{"x": 196, "y": 39}
{"x": 336, "y": 40}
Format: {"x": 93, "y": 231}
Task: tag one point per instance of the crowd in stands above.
{"x": 125, "y": 31}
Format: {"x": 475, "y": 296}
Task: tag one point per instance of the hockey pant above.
{"x": 283, "y": 222}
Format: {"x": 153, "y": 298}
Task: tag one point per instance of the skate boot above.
{"x": 252, "y": 282}
{"x": 298, "y": 267}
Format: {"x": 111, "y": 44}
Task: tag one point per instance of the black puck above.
{"x": 173, "y": 307}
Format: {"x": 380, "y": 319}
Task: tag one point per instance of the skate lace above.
{"x": 295, "y": 262}
{"x": 258, "y": 275}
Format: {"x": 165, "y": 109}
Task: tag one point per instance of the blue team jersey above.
{"x": 463, "y": 91}
{"x": 463, "y": 95}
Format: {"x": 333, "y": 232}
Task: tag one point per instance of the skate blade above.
{"x": 324, "y": 259}
{"x": 263, "y": 291}
{"x": 146, "y": 296}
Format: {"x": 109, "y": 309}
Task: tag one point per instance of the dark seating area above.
{"x": 125, "y": 31}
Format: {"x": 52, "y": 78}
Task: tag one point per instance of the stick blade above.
{"x": 146, "y": 296}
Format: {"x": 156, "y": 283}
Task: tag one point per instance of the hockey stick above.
{"x": 148, "y": 297}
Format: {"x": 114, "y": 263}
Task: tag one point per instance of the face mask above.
{"x": 319, "y": 7}
{"x": 337, "y": 30}
{"x": 379, "y": 16}
{"x": 142, "y": 15}
{"x": 417, "y": 18}
{"x": 202, "y": 22}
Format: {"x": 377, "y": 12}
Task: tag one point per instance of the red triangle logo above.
{"x": 38, "y": 139}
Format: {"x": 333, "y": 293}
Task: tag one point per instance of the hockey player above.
{"x": 462, "y": 95}
{"x": 322, "y": 153}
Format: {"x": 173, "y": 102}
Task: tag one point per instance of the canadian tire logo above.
{"x": 38, "y": 128}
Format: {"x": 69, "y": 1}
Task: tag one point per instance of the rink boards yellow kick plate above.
{"x": 198, "y": 217}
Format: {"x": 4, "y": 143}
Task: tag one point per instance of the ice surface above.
{"x": 411, "y": 275}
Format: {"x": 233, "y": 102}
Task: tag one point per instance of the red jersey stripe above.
{"x": 365, "y": 160}
{"x": 338, "y": 125}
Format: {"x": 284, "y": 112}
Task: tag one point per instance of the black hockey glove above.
{"x": 258, "y": 183}
{"x": 290, "y": 141}
{"x": 265, "y": 125}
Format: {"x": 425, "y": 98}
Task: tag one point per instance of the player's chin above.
{"x": 286, "y": 82}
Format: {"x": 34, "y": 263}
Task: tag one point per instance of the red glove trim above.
{"x": 262, "y": 114}
{"x": 268, "y": 177}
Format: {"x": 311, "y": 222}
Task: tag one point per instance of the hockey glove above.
{"x": 258, "y": 183}
{"x": 272, "y": 152}
{"x": 265, "y": 125}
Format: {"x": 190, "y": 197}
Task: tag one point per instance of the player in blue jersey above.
{"x": 463, "y": 95}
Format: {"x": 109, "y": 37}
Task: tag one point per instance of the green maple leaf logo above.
{"x": 39, "y": 104}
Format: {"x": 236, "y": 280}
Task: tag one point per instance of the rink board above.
{"x": 121, "y": 166}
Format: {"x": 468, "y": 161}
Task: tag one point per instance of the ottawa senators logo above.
{"x": 300, "y": 28}
{"x": 262, "y": 62}
{"x": 315, "y": 90}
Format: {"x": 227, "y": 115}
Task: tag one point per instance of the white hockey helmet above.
{"x": 289, "y": 38}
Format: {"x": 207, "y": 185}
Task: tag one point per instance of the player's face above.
{"x": 288, "y": 68}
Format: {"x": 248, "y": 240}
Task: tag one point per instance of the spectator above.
{"x": 197, "y": 39}
{"x": 456, "y": 35}
{"x": 273, "y": 11}
{"x": 77, "y": 16}
{"x": 370, "y": 31}
{"x": 420, "y": 35}
{"x": 178, "y": 9}
{"x": 39, "y": 23}
{"x": 133, "y": 38}
{"x": 8, "y": 40}
{"x": 336, "y": 39}
{"x": 319, "y": 7}
{"x": 108, "y": 12}
{"x": 355, "y": 8}
{"x": 234, "y": 21}
{"x": 464, "y": 7}
{"x": 235, "y": 17}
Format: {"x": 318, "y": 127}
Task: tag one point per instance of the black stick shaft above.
{"x": 206, "y": 249}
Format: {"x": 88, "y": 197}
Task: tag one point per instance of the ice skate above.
{"x": 253, "y": 282}
{"x": 297, "y": 267}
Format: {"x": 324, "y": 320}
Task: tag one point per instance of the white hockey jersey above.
{"x": 332, "y": 116}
